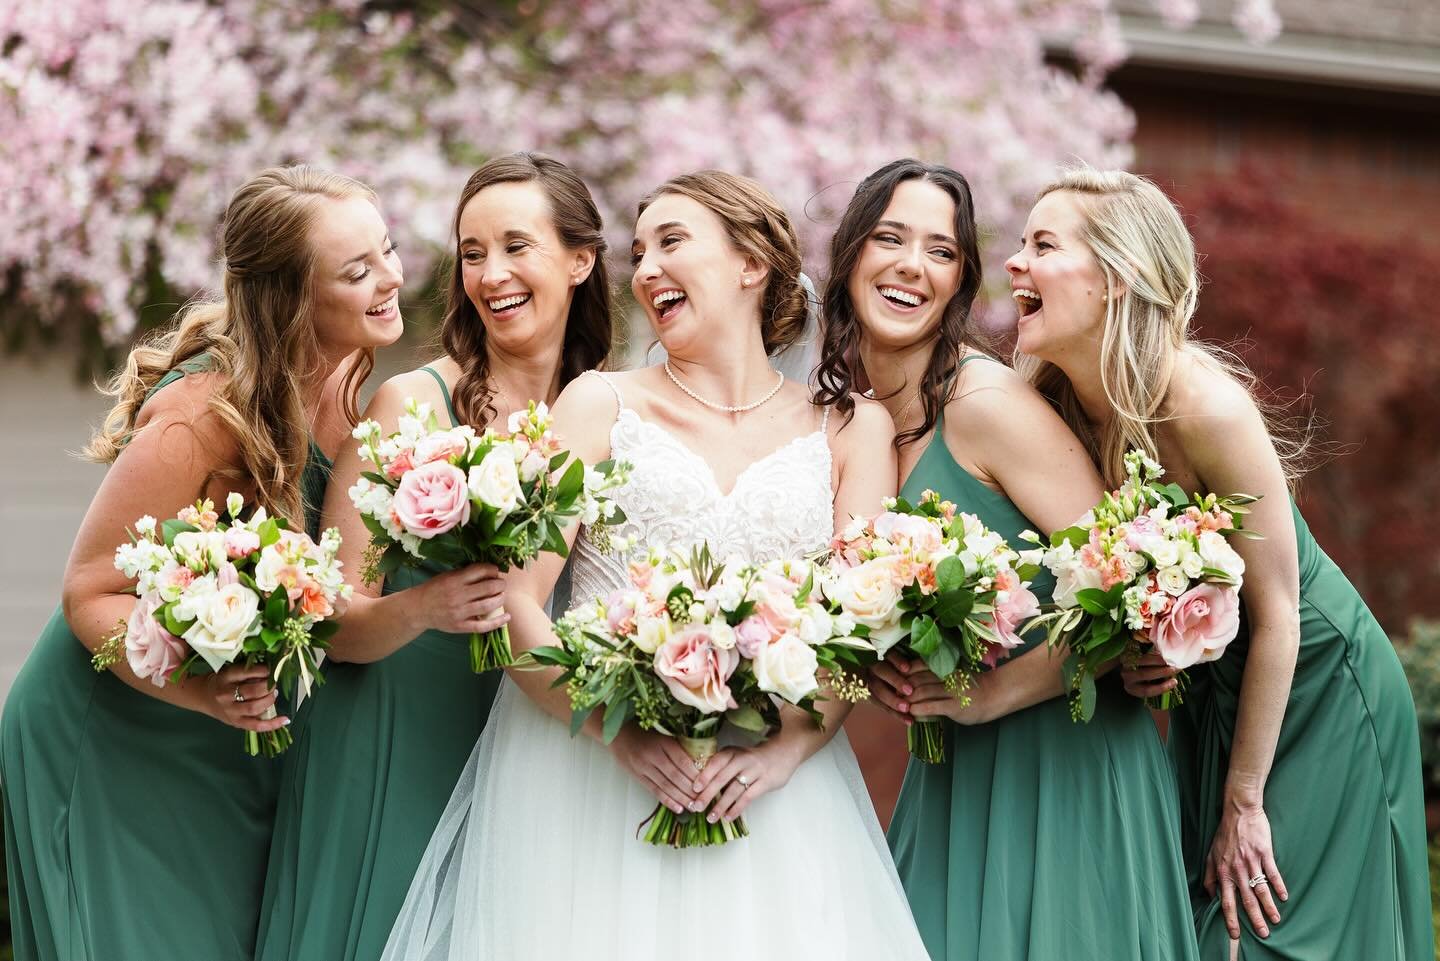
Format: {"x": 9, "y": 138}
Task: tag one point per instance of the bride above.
{"x": 536, "y": 856}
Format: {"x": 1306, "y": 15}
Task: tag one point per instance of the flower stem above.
{"x": 1171, "y": 699}
{"x": 926, "y": 740}
{"x": 491, "y": 650}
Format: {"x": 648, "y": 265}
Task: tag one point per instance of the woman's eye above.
{"x": 670, "y": 240}
{"x": 635, "y": 259}
{"x": 887, "y": 239}
{"x": 392, "y": 248}
{"x": 943, "y": 254}
{"x": 514, "y": 249}
{"x": 1044, "y": 245}
{"x": 360, "y": 276}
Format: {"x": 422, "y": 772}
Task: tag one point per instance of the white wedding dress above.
{"x": 536, "y": 857}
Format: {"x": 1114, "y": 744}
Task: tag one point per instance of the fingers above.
{"x": 1277, "y": 881}
{"x": 933, "y": 691}
{"x": 902, "y": 664}
{"x": 1138, "y": 688}
{"x": 673, "y": 765}
{"x": 1267, "y": 903}
{"x": 250, "y": 690}
{"x": 231, "y": 674}
{"x": 1208, "y": 880}
{"x": 717, "y": 774}
{"x": 890, "y": 676}
{"x": 733, "y": 799}
{"x": 1152, "y": 658}
{"x": 1227, "y": 906}
{"x": 481, "y": 572}
{"x": 1252, "y": 908}
{"x": 665, "y": 793}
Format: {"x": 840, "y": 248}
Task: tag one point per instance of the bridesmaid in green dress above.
{"x": 135, "y": 826}
{"x": 1038, "y": 838}
{"x": 377, "y": 756}
{"x": 1298, "y": 751}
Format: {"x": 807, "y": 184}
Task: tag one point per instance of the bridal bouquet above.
{"x": 938, "y": 585}
{"x": 219, "y": 591}
{"x": 1148, "y": 568}
{"x": 690, "y": 643}
{"x": 451, "y": 497}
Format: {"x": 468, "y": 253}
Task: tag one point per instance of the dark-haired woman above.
{"x": 379, "y": 753}
{"x": 1037, "y": 838}
{"x": 135, "y": 825}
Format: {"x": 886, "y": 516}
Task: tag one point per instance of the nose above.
{"x": 1017, "y": 264}
{"x": 910, "y": 261}
{"x": 647, "y": 271}
{"x": 496, "y": 272}
{"x": 394, "y": 275}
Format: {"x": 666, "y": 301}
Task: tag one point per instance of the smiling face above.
{"x": 517, "y": 272}
{"x": 909, "y": 267}
{"x": 689, "y": 278}
{"x": 1056, "y": 281}
{"x": 357, "y": 277}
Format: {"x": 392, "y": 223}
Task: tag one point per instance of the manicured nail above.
{"x": 907, "y": 690}
{"x": 697, "y": 787}
{"x": 904, "y": 707}
{"x": 286, "y": 722}
{"x": 711, "y": 818}
{"x": 695, "y": 806}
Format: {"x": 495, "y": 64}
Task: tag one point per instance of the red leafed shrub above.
{"x": 1317, "y": 307}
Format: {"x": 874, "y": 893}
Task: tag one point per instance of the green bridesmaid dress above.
{"x": 375, "y": 759}
{"x": 1041, "y": 838}
{"x": 1344, "y": 797}
{"x": 133, "y": 829}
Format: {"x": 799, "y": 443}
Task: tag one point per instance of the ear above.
{"x": 582, "y": 265}
{"x": 754, "y": 273}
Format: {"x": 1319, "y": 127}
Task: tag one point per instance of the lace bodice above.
{"x": 782, "y": 505}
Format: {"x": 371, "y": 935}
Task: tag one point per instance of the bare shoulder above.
{"x": 870, "y": 425}
{"x": 592, "y": 392}
{"x": 1207, "y": 404}
{"x": 179, "y": 421}
{"x": 991, "y": 394}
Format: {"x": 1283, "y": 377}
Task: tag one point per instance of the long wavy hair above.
{"x": 758, "y": 226}
{"x": 1147, "y": 257}
{"x": 841, "y": 369}
{"x": 590, "y": 325}
{"x": 259, "y": 334}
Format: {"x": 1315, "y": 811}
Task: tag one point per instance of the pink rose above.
{"x": 919, "y": 531}
{"x": 696, "y": 671}
{"x": 432, "y": 499}
{"x": 620, "y": 613}
{"x": 398, "y": 466}
{"x": 751, "y": 634}
{"x": 441, "y": 446}
{"x": 1198, "y": 625}
{"x": 240, "y": 543}
{"x": 151, "y": 650}
{"x": 1143, "y": 533}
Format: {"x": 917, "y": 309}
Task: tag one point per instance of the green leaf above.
{"x": 1077, "y": 536}
{"x": 1173, "y": 493}
{"x": 376, "y": 529}
{"x": 746, "y": 718}
{"x": 391, "y": 560}
{"x": 1087, "y": 696}
{"x": 277, "y": 607}
{"x": 269, "y": 532}
{"x": 945, "y": 659}
{"x": 951, "y": 608}
{"x": 554, "y": 540}
{"x": 443, "y": 551}
{"x": 571, "y": 481}
{"x": 323, "y": 631}
{"x": 924, "y": 636}
{"x": 270, "y": 637}
{"x": 616, "y": 714}
{"x": 173, "y": 624}
{"x": 1093, "y": 601}
{"x": 375, "y": 478}
{"x": 168, "y": 530}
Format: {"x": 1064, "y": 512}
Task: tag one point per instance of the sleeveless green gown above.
{"x": 375, "y": 759}
{"x": 133, "y": 829}
{"x": 1344, "y": 797}
{"x": 1040, "y": 838}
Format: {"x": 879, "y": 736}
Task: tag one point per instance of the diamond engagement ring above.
{"x": 744, "y": 782}
{"x": 239, "y": 698}
{"x": 1258, "y": 879}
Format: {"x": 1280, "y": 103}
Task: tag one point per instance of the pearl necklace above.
{"x": 779, "y": 382}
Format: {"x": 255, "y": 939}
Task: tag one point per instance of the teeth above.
{"x": 383, "y": 307}
{"x": 666, "y": 297}
{"x": 913, "y": 300}
{"x": 1025, "y": 294}
{"x": 505, "y": 302}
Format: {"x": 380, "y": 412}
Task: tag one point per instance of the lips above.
{"x": 667, "y": 302}
{"x": 902, "y": 298}
{"x": 1027, "y": 300}
{"x": 509, "y": 303}
{"x": 385, "y": 308}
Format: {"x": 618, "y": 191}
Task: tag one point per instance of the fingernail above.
{"x": 697, "y": 787}
{"x": 903, "y": 706}
{"x": 676, "y": 808}
{"x": 907, "y": 690}
{"x": 711, "y": 818}
{"x": 695, "y": 806}
{"x": 286, "y": 722}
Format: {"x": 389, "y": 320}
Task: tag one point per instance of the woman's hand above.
{"x": 1150, "y": 677}
{"x": 736, "y": 776}
{"x": 237, "y": 695}
{"x": 659, "y": 763}
{"x": 1242, "y": 851}
{"x": 890, "y": 686}
{"x": 470, "y": 600}
{"x": 909, "y": 690}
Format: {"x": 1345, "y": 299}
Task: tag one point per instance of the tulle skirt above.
{"x": 536, "y": 857}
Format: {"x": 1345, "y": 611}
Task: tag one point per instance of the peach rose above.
{"x": 696, "y": 670}
{"x": 432, "y": 499}
{"x": 151, "y": 650}
{"x": 1198, "y": 625}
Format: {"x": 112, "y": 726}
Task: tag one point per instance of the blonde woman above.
{"x": 135, "y": 826}
{"x": 1297, "y": 752}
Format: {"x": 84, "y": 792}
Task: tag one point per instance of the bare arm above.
{"x": 169, "y": 463}
{"x": 376, "y": 625}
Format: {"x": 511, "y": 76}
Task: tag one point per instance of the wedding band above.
{"x": 1258, "y": 879}
{"x": 743, "y": 781}
{"x": 239, "y": 698}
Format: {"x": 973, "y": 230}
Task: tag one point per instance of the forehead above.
{"x": 507, "y": 206}
{"x": 922, "y": 206}
{"x": 346, "y": 228}
{"x": 1059, "y": 211}
{"x": 677, "y": 207}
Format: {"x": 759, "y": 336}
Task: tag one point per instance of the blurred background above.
{"x": 1301, "y": 137}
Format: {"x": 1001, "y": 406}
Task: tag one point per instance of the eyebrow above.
{"x": 1037, "y": 232}
{"x": 667, "y": 225}
{"x": 512, "y": 234}
{"x": 364, "y": 255}
{"x": 897, "y": 225}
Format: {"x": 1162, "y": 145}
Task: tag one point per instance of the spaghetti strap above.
{"x": 824, "y": 418}
{"x": 445, "y": 392}
{"x": 611, "y": 384}
{"x": 940, "y": 418}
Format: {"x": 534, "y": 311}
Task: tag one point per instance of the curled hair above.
{"x": 758, "y": 226}
{"x": 1147, "y": 257}
{"x": 259, "y": 334}
{"x": 588, "y": 328}
{"x": 840, "y": 367}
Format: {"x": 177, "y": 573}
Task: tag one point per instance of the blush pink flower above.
{"x": 696, "y": 671}
{"x": 441, "y": 446}
{"x": 240, "y": 543}
{"x": 620, "y": 613}
{"x": 396, "y": 467}
{"x": 1198, "y": 625}
{"x": 432, "y": 499}
{"x": 313, "y": 600}
{"x": 152, "y": 651}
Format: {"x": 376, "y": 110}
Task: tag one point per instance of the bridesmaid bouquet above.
{"x": 938, "y": 585}
{"x": 215, "y": 592}
{"x": 691, "y": 643}
{"x": 452, "y": 497}
{"x": 1147, "y": 568}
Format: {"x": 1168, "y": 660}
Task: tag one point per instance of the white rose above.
{"x": 229, "y": 616}
{"x": 533, "y": 464}
{"x": 200, "y": 550}
{"x": 722, "y": 635}
{"x": 271, "y": 567}
{"x": 651, "y": 632}
{"x": 495, "y": 482}
{"x": 816, "y": 624}
{"x": 1071, "y": 578}
{"x": 1165, "y": 553}
{"x": 1172, "y": 580}
{"x": 869, "y": 594}
{"x": 1216, "y": 552}
{"x": 1135, "y": 562}
{"x": 1192, "y": 564}
{"x": 787, "y": 667}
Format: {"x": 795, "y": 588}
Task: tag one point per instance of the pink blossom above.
{"x": 240, "y": 543}
{"x": 1199, "y": 625}
{"x": 440, "y": 446}
{"x": 696, "y": 671}
{"x": 432, "y": 499}
{"x": 152, "y": 651}
{"x": 397, "y": 466}
{"x": 620, "y": 613}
